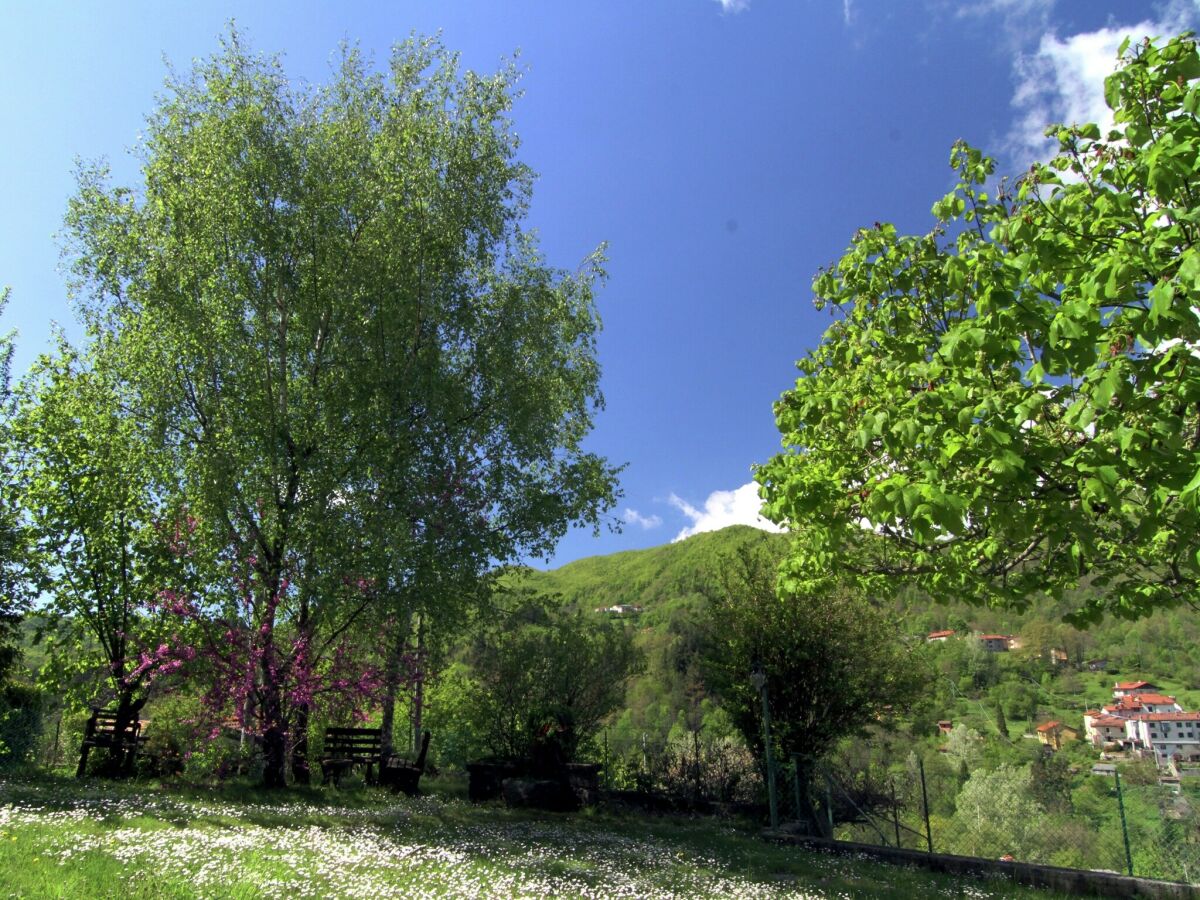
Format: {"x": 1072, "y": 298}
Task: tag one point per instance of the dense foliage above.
{"x": 93, "y": 511}
{"x": 831, "y": 664}
{"x": 14, "y": 587}
{"x": 365, "y": 379}
{"x": 542, "y": 679}
{"x": 1011, "y": 400}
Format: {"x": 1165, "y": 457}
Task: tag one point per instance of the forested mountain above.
{"x": 670, "y": 584}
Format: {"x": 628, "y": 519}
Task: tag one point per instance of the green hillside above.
{"x": 669, "y": 584}
{"x": 649, "y": 578}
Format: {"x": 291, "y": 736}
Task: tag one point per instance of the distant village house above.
{"x": 1054, "y": 734}
{"x": 620, "y": 609}
{"x": 1127, "y": 688}
{"x": 1144, "y": 721}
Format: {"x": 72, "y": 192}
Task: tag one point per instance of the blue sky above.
{"x": 725, "y": 149}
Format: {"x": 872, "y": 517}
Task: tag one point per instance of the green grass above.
{"x": 62, "y": 838}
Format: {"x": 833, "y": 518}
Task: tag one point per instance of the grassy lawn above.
{"x": 62, "y": 838}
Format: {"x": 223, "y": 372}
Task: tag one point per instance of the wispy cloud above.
{"x": 721, "y": 509}
{"x": 734, "y": 6}
{"x": 1063, "y": 79}
{"x": 633, "y": 517}
{"x": 847, "y": 12}
{"x": 1031, "y": 11}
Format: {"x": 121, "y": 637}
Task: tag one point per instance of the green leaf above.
{"x": 1161, "y": 296}
{"x": 1191, "y": 486}
{"x": 1137, "y": 134}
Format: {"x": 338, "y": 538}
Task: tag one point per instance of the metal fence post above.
{"x": 895, "y": 812}
{"x": 925, "y": 805}
{"x": 1124, "y": 826}
{"x": 759, "y": 679}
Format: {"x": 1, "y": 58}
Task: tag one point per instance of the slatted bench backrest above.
{"x": 102, "y": 729}
{"x": 358, "y": 744}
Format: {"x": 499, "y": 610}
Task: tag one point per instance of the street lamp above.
{"x": 759, "y": 679}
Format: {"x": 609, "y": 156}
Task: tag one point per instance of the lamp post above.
{"x": 759, "y": 679}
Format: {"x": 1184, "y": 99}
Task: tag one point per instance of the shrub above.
{"x": 542, "y": 680}
{"x": 21, "y": 708}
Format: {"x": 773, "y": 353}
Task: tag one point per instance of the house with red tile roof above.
{"x": 1054, "y": 734}
{"x": 1126, "y": 688}
{"x": 939, "y": 635}
{"x": 1157, "y": 703}
{"x": 1103, "y": 729}
{"x": 995, "y": 643}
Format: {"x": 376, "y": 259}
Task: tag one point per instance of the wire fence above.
{"x": 1046, "y": 811}
{"x": 1148, "y": 827}
{"x": 686, "y": 771}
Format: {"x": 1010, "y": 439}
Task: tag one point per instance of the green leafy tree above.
{"x": 19, "y": 704}
{"x": 540, "y": 673}
{"x": 964, "y": 745}
{"x": 835, "y": 662}
{"x": 14, "y": 592}
{"x": 325, "y": 301}
{"x": 1011, "y": 401}
{"x": 996, "y": 814}
{"x": 1050, "y": 780}
{"x": 94, "y": 519}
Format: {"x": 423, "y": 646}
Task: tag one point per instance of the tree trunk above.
{"x": 274, "y": 726}
{"x": 419, "y": 687}
{"x": 391, "y": 681}
{"x": 122, "y": 755}
{"x": 301, "y": 773}
{"x": 274, "y": 739}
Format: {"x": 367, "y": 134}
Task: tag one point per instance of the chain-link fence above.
{"x": 1127, "y": 818}
{"x": 1140, "y": 825}
{"x": 689, "y": 770}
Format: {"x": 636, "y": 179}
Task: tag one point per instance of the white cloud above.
{"x": 1063, "y": 80}
{"x": 1024, "y": 9}
{"x": 633, "y": 517}
{"x": 734, "y": 6}
{"x": 723, "y": 508}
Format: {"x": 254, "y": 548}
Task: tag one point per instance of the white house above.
{"x": 1157, "y": 703}
{"x": 1128, "y": 688}
{"x": 995, "y": 643}
{"x": 1102, "y": 728}
{"x": 1167, "y": 735}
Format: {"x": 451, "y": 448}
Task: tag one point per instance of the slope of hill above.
{"x": 669, "y": 584}
{"x": 647, "y": 578}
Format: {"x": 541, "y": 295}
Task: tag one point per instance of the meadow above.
{"x": 63, "y": 838}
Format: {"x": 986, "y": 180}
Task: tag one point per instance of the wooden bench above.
{"x": 101, "y": 731}
{"x": 403, "y": 776}
{"x": 346, "y": 748}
